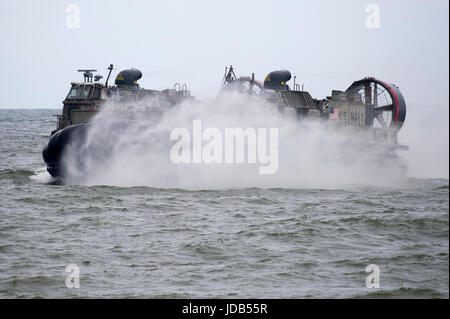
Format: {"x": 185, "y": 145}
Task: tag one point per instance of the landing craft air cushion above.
{"x": 374, "y": 110}
{"x": 86, "y": 99}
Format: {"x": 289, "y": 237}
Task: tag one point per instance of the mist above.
{"x": 137, "y": 152}
{"x": 427, "y": 136}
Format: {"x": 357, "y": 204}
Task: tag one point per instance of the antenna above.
{"x": 88, "y": 75}
{"x": 229, "y": 75}
{"x": 110, "y": 68}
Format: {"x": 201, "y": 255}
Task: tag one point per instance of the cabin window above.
{"x": 96, "y": 93}
{"x": 85, "y": 93}
{"x": 73, "y": 92}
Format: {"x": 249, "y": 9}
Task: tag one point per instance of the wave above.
{"x": 403, "y": 293}
{"x": 18, "y": 176}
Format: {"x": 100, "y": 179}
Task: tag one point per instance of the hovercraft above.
{"x": 373, "y": 110}
{"x": 86, "y": 99}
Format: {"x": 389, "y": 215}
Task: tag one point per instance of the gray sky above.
{"x": 326, "y": 44}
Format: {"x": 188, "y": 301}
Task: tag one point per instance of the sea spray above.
{"x": 129, "y": 145}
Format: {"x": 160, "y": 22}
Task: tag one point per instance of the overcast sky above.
{"x": 326, "y": 44}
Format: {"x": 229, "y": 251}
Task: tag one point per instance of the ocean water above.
{"x": 144, "y": 242}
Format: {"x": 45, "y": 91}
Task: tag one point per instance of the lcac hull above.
{"x": 86, "y": 149}
{"x": 75, "y": 145}
{"x": 81, "y": 150}
{"x": 56, "y": 147}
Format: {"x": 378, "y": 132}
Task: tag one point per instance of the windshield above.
{"x": 85, "y": 93}
{"x": 80, "y": 92}
{"x": 73, "y": 93}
